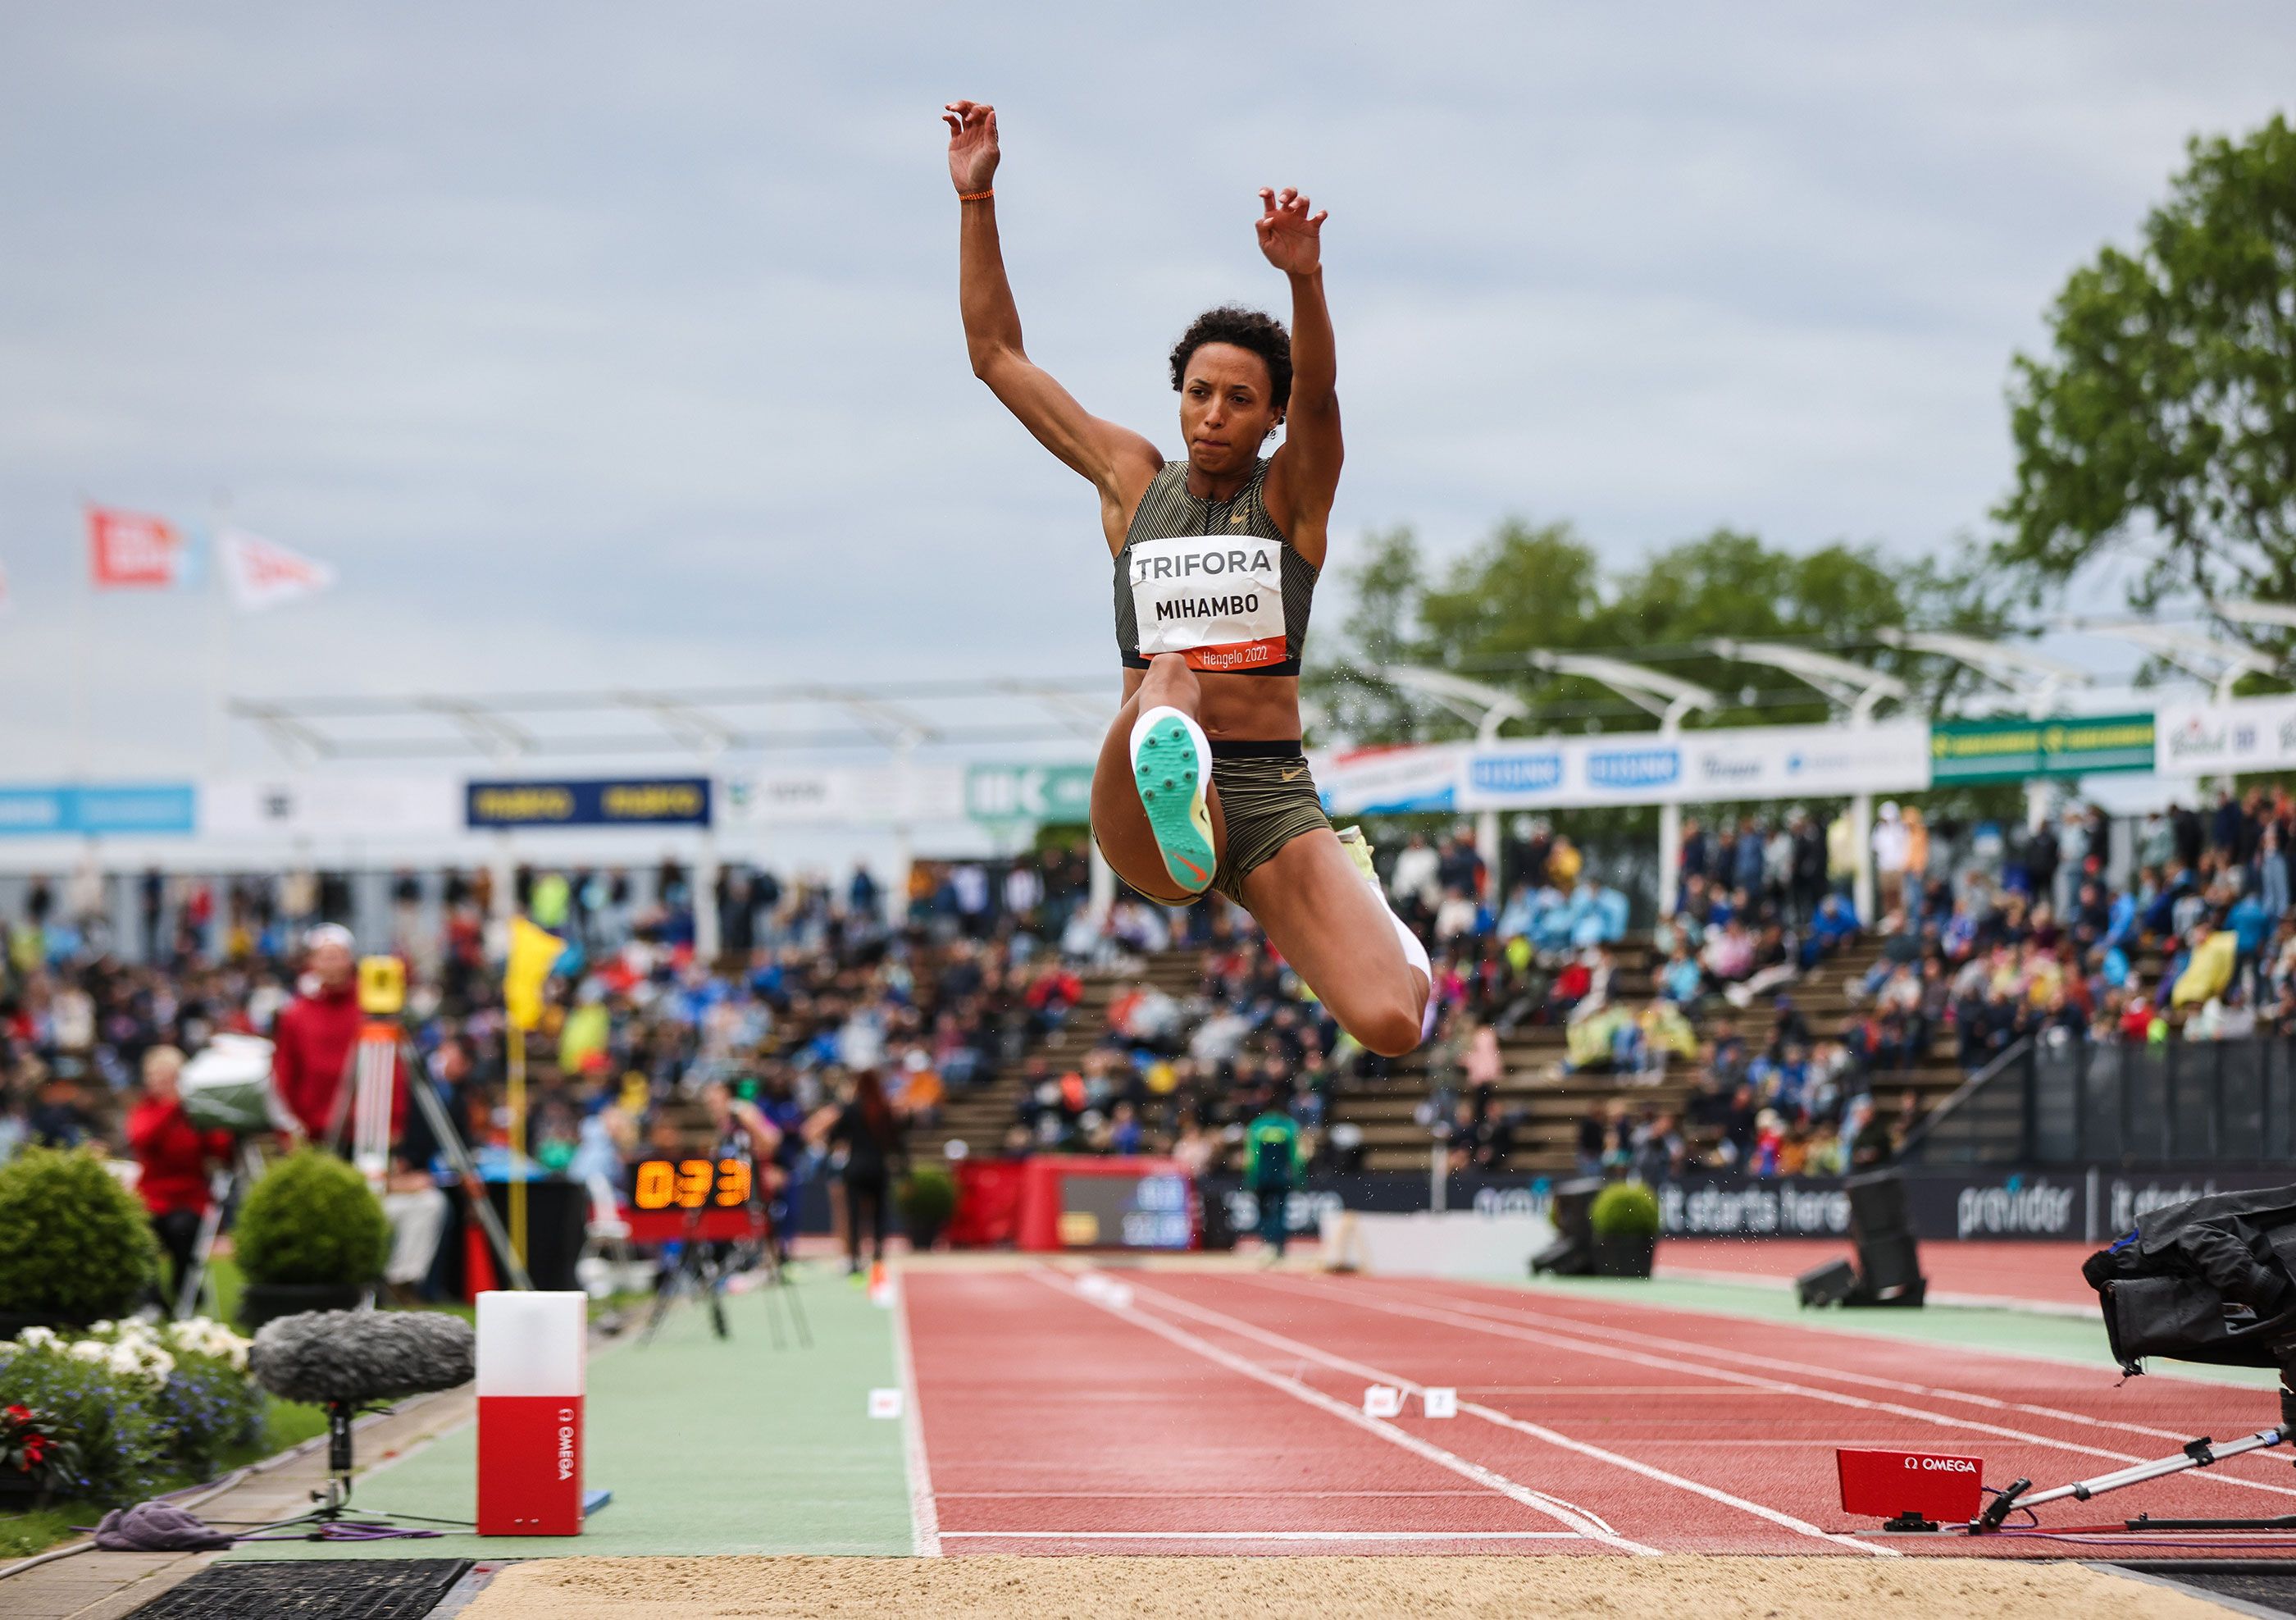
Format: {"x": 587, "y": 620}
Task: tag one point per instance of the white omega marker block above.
{"x": 532, "y": 1353}
{"x": 1441, "y": 1402}
{"x": 1382, "y": 1401}
{"x": 884, "y": 1403}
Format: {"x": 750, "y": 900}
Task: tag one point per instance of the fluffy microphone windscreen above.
{"x": 362, "y": 1356}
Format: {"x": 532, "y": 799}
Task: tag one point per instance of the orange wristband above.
{"x": 976, "y": 196}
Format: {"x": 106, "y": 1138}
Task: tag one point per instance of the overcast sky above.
{"x": 610, "y": 345}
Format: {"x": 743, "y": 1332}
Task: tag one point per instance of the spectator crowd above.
{"x": 975, "y": 971}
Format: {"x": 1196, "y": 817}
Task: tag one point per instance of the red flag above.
{"x": 132, "y": 548}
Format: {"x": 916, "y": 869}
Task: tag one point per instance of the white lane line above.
{"x": 1747, "y": 1358}
{"x": 1595, "y": 1346}
{"x": 1587, "y": 1524}
{"x": 1276, "y": 1340}
{"x": 1262, "y": 1535}
{"x": 1194, "y": 1495}
{"x": 924, "y": 1516}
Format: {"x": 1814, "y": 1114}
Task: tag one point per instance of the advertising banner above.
{"x": 800, "y": 795}
{"x": 1814, "y": 761}
{"x": 265, "y": 808}
{"x": 1390, "y": 781}
{"x": 2225, "y": 739}
{"x": 2007, "y": 748}
{"x": 2073, "y": 1204}
{"x": 613, "y": 802}
{"x": 1058, "y": 794}
{"x": 1637, "y": 768}
{"x": 90, "y": 811}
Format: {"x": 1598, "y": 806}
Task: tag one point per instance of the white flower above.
{"x": 99, "y": 1328}
{"x": 200, "y": 1335}
{"x": 37, "y": 1339}
{"x": 88, "y": 1350}
{"x": 130, "y": 1363}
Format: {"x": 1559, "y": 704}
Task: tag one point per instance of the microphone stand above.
{"x": 331, "y": 1521}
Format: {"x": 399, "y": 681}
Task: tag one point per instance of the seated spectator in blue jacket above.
{"x": 1835, "y": 925}
{"x": 1681, "y": 979}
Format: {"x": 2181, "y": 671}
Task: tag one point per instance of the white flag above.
{"x": 262, "y": 573}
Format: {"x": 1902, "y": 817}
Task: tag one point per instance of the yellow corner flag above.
{"x": 532, "y": 954}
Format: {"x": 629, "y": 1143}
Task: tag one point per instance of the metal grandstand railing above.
{"x": 2185, "y": 1102}
{"x": 1984, "y": 1123}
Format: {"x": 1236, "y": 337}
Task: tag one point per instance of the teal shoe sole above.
{"x": 1165, "y": 769}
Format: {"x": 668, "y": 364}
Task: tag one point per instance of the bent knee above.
{"x": 1390, "y": 1031}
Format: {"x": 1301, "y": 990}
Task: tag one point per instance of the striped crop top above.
{"x": 1215, "y": 581}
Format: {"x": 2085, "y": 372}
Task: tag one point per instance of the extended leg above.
{"x": 1336, "y": 931}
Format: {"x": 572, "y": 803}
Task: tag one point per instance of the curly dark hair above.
{"x": 1252, "y": 328}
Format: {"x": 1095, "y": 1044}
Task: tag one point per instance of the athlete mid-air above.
{"x": 1202, "y": 783}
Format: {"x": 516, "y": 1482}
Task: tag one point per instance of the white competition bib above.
{"x": 1215, "y": 598}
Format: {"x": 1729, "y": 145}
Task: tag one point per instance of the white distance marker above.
{"x": 1382, "y": 1401}
{"x": 884, "y": 1403}
{"x": 1441, "y": 1402}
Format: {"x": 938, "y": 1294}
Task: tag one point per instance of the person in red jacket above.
{"x": 175, "y": 1157}
{"x": 314, "y": 1034}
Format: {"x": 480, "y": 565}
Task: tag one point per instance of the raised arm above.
{"x": 1118, "y": 461}
{"x": 1303, "y": 474}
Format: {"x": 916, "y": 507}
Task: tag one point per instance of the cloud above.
{"x": 595, "y": 346}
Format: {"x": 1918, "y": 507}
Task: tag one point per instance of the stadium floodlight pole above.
{"x": 2037, "y": 679}
{"x": 1670, "y": 698}
{"x": 1848, "y": 685}
{"x": 1487, "y": 708}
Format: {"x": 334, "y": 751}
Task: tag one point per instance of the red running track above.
{"x": 2043, "y": 1274}
{"x": 1197, "y": 1412}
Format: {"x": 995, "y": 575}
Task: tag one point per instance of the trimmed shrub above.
{"x": 1624, "y": 1209}
{"x": 311, "y": 1220}
{"x": 75, "y": 1245}
{"x": 927, "y": 1199}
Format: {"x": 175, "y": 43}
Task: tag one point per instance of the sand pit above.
{"x": 1322, "y": 1588}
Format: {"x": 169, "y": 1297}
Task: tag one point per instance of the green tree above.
{"x": 1533, "y": 588}
{"x": 1379, "y": 632}
{"x": 2164, "y": 414}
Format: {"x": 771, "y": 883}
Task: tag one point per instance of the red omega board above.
{"x": 1933, "y": 1485}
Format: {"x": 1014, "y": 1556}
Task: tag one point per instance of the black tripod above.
{"x": 476, "y": 1204}
{"x": 706, "y": 1266}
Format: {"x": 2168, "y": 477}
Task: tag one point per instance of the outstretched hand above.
{"x": 1292, "y": 238}
{"x": 972, "y": 152}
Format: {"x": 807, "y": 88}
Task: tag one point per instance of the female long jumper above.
{"x": 1202, "y": 783}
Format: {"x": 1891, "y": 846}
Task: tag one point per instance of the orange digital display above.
{"x": 689, "y": 1184}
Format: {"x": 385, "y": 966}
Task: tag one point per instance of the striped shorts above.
{"x": 1268, "y": 798}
